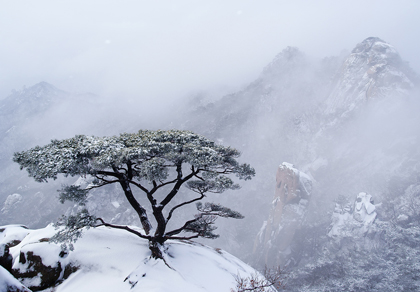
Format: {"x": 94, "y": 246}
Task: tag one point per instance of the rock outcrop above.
{"x": 6, "y": 259}
{"x": 292, "y": 194}
{"x": 353, "y": 221}
{"x": 39, "y": 269}
{"x": 364, "y": 208}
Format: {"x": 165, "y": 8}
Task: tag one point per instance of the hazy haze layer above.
{"x": 153, "y": 51}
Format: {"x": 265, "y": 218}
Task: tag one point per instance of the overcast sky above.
{"x": 171, "y": 48}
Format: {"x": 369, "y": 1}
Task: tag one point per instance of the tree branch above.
{"x": 108, "y": 173}
{"x": 183, "y": 238}
{"x": 139, "y": 186}
{"x": 122, "y": 227}
{"x": 102, "y": 178}
{"x": 178, "y": 184}
{"x": 179, "y": 230}
{"x": 183, "y": 204}
{"x": 199, "y": 177}
{"x": 101, "y": 185}
{"x": 162, "y": 184}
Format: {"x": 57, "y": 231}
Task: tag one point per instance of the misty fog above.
{"x": 159, "y": 51}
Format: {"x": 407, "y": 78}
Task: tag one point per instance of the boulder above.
{"x": 31, "y": 259}
{"x": 36, "y": 275}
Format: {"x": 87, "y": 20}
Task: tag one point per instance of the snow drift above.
{"x": 114, "y": 260}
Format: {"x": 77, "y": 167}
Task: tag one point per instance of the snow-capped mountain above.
{"x": 373, "y": 69}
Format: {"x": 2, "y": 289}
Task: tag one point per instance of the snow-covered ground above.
{"x": 110, "y": 260}
{"x": 9, "y": 283}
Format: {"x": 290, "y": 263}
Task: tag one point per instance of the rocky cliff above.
{"x": 291, "y": 199}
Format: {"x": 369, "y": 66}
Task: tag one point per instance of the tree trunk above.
{"x": 161, "y": 224}
{"x": 155, "y": 248}
{"x": 137, "y": 207}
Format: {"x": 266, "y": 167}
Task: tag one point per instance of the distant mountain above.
{"x": 21, "y": 107}
{"x": 31, "y": 100}
{"x": 374, "y": 69}
{"x": 289, "y": 87}
{"x": 31, "y": 116}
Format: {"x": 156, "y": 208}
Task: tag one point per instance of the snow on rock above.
{"x": 305, "y": 182}
{"x": 10, "y": 283}
{"x": 110, "y": 260}
{"x": 12, "y": 234}
{"x": 356, "y": 221}
{"x": 364, "y": 210}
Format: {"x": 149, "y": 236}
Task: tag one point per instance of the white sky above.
{"x": 163, "y": 49}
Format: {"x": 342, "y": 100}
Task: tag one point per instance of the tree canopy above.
{"x": 150, "y": 161}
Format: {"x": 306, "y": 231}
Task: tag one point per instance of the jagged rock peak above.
{"x": 377, "y": 51}
{"x": 367, "y": 44}
{"x": 373, "y": 69}
{"x": 37, "y": 90}
{"x": 285, "y": 60}
{"x": 31, "y": 99}
{"x": 289, "y": 54}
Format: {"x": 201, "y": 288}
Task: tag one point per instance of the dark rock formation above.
{"x": 34, "y": 268}
{"x": 6, "y": 260}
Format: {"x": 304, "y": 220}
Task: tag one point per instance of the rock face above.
{"x": 291, "y": 198}
{"x": 39, "y": 276}
{"x": 373, "y": 69}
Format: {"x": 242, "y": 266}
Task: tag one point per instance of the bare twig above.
{"x": 270, "y": 280}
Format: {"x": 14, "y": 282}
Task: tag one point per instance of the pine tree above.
{"x": 158, "y": 163}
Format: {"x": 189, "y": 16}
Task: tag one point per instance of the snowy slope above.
{"x": 9, "y": 283}
{"x": 115, "y": 260}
